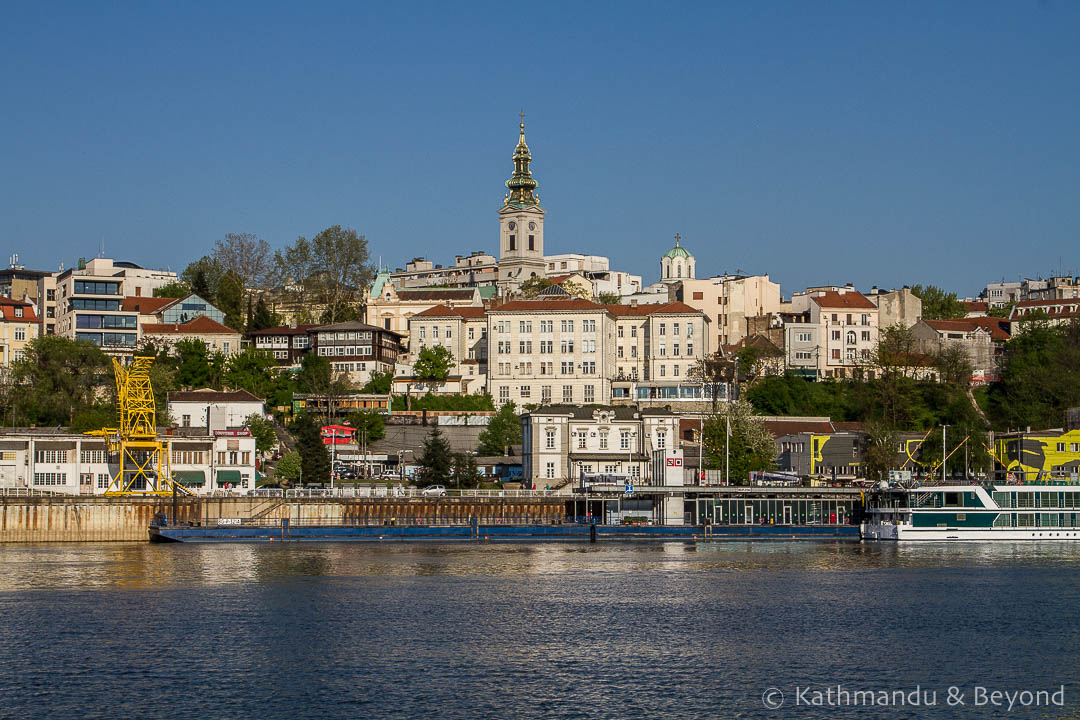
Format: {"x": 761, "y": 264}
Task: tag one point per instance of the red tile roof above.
{"x": 145, "y": 305}
{"x": 998, "y": 327}
{"x": 201, "y": 325}
{"x": 669, "y": 308}
{"x": 547, "y": 305}
{"x": 952, "y": 325}
{"x": 443, "y": 311}
{"x": 437, "y": 294}
{"x": 7, "y": 308}
{"x": 284, "y": 330}
{"x": 976, "y": 306}
{"x": 849, "y": 299}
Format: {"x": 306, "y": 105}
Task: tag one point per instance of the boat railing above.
{"x": 369, "y": 522}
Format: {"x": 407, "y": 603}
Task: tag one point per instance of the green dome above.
{"x": 677, "y": 252}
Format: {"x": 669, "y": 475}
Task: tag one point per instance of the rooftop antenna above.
{"x": 102, "y": 254}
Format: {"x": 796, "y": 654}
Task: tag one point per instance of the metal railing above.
{"x": 379, "y": 491}
{"x": 410, "y": 521}
{"x": 29, "y": 492}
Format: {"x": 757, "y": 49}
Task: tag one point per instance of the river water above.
{"x": 654, "y": 630}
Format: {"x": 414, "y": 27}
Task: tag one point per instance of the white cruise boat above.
{"x": 973, "y": 512}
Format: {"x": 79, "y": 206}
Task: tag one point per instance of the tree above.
{"x": 954, "y": 366}
{"x": 714, "y": 371}
{"x": 751, "y": 447}
{"x": 609, "y": 298}
{"x": 344, "y": 312}
{"x": 1002, "y": 311}
{"x": 341, "y": 268}
{"x": 379, "y": 383}
{"x": 263, "y": 317}
{"x": 194, "y": 366}
{"x": 177, "y": 289}
{"x": 59, "y": 378}
{"x": 465, "y": 472}
{"x": 435, "y": 459}
{"x": 534, "y": 285}
{"x": 252, "y": 370}
{"x": 1040, "y": 377}
{"x": 314, "y": 457}
{"x": 370, "y": 425}
{"x": 881, "y": 443}
{"x": 502, "y": 431}
{"x": 230, "y": 300}
{"x": 433, "y": 364}
{"x": 289, "y": 466}
{"x": 938, "y": 304}
{"x": 316, "y": 377}
{"x": 203, "y": 277}
{"x": 293, "y": 269}
{"x": 245, "y": 255}
{"x": 263, "y": 431}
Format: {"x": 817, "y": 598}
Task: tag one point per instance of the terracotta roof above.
{"x": 1044, "y": 303}
{"x": 352, "y": 325}
{"x": 284, "y": 330}
{"x": 443, "y": 311}
{"x": 998, "y": 327}
{"x": 976, "y": 306}
{"x": 440, "y": 294}
{"x": 145, "y": 305}
{"x": 670, "y": 308}
{"x": 7, "y": 308}
{"x": 849, "y": 299}
{"x": 962, "y": 325}
{"x": 779, "y": 428}
{"x": 201, "y": 325}
{"x": 208, "y": 395}
{"x": 547, "y": 305}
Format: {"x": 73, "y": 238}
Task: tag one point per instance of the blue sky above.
{"x": 878, "y": 143}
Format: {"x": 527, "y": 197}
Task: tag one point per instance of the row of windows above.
{"x": 350, "y": 367}
{"x": 546, "y": 368}
{"x": 95, "y": 287}
{"x": 851, "y": 336}
{"x": 93, "y": 304}
{"x": 234, "y": 457}
{"x": 345, "y": 350}
{"x": 1042, "y": 520}
{"x": 1037, "y": 499}
{"x": 1073, "y": 447}
{"x": 864, "y": 319}
{"x": 188, "y": 457}
{"x": 50, "y": 456}
{"x": 93, "y": 456}
{"x": 121, "y": 322}
{"x": 525, "y": 391}
{"x": 108, "y": 339}
{"x": 50, "y": 478}
{"x": 328, "y": 337}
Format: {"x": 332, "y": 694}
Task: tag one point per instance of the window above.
{"x": 103, "y": 481}
{"x": 663, "y": 328}
{"x": 504, "y": 394}
{"x": 675, "y": 349}
{"x": 547, "y": 346}
{"x": 568, "y": 393}
{"x": 447, "y": 333}
{"x": 434, "y": 332}
{"x": 675, "y": 370}
{"x": 588, "y": 368}
{"x": 525, "y": 326}
{"x": 50, "y": 456}
{"x": 471, "y": 330}
{"x": 581, "y": 435}
{"x": 674, "y": 328}
{"x": 619, "y": 331}
{"x": 567, "y": 368}
{"x": 633, "y": 331}
{"x": 663, "y": 370}
{"x": 513, "y": 242}
{"x": 624, "y": 440}
{"x": 525, "y": 347}
{"x": 546, "y": 325}
{"x": 663, "y": 350}
{"x": 549, "y": 471}
{"x": 50, "y": 478}
{"x": 689, "y": 348}
{"x": 532, "y": 242}
{"x": 699, "y": 296}
{"x": 590, "y": 394}
{"x": 866, "y": 335}
{"x": 661, "y": 439}
{"x": 588, "y": 346}
{"x": 422, "y": 334}
{"x": 835, "y": 334}
{"x": 633, "y": 351}
{"x": 549, "y": 439}
{"x": 545, "y": 391}
{"x": 588, "y": 326}
{"x": 93, "y": 456}
{"x": 525, "y": 391}
{"x": 603, "y": 436}
{"x": 20, "y": 333}
{"x": 802, "y": 337}
{"x": 566, "y": 325}
{"x": 567, "y": 346}
{"x": 547, "y": 368}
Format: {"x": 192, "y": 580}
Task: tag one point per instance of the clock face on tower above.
{"x": 511, "y": 225}
{"x": 532, "y": 226}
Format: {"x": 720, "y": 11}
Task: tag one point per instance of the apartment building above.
{"x": 657, "y": 347}
{"x": 288, "y": 345}
{"x": 933, "y": 336}
{"x": 390, "y": 307}
{"x": 1057, "y": 312}
{"x": 90, "y": 302}
{"x": 896, "y": 307}
{"x": 18, "y": 326}
{"x": 728, "y": 301}
{"x": 597, "y": 269}
{"x": 839, "y": 335}
{"x": 356, "y": 349}
{"x": 461, "y": 330}
{"x": 217, "y": 337}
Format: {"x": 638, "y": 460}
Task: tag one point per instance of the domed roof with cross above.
{"x": 677, "y": 251}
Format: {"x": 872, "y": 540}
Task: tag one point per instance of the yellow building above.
{"x": 18, "y": 326}
{"x": 1041, "y": 455}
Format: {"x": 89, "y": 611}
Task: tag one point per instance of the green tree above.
{"x": 263, "y": 317}
{"x": 289, "y": 466}
{"x": 370, "y": 425}
{"x": 203, "y": 277}
{"x": 609, "y": 298}
{"x": 465, "y": 472}
{"x": 1002, "y": 311}
{"x": 194, "y": 364}
{"x": 534, "y": 286}
{"x": 379, "y": 383}
{"x": 230, "y": 299}
{"x": 433, "y": 364}
{"x": 751, "y": 447}
{"x": 502, "y": 431}
{"x": 245, "y": 255}
{"x": 177, "y": 289}
{"x": 314, "y": 457}
{"x": 938, "y": 304}
{"x": 341, "y": 268}
{"x": 263, "y": 432}
{"x": 316, "y": 377}
{"x": 435, "y": 459}
{"x": 881, "y": 443}
{"x": 954, "y": 366}
{"x": 1040, "y": 377}
{"x": 59, "y": 378}
{"x": 252, "y": 370}
{"x": 342, "y": 312}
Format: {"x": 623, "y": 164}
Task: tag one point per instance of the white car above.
{"x": 434, "y": 491}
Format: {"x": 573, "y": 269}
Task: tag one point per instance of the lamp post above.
{"x": 944, "y": 457}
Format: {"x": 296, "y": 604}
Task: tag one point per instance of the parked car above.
{"x": 434, "y": 491}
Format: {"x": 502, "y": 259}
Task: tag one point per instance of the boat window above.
{"x": 952, "y": 499}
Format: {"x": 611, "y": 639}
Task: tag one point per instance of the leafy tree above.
{"x": 477, "y": 401}
{"x": 1002, "y": 311}
{"x": 954, "y": 366}
{"x": 57, "y": 379}
{"x": 379, "y": 383}
{"x": 1040, "y": 377}
{"x": 245, "y": 255}
{"x": 370, "y": 425}
{"x": 609, "y": 298}
{"x": 252, "y": 370}
{"x": 715, "y": 372}
{"x": 194, "y": 365}
{"x": 293, "y": 267}
{"x": 263, "y": 431}
{"x": 938, "y": 304}
{"x": 502, "y": 431}
{"x": 435, "y": 459}
{"x": 465, "y": 472}
{"x": 230, "y": 299}
{"x": 316, "y": 377}
{"x": 751, "y": 447}
{"x": 342, "y": 312}
{"x": 880, "y": 450}
{"x": 342, "y": 268}
{"x": 289, "y": 466}
{"x": 433, "y": 364}
{"x": 263, "y": 317}
{"x": 177, "y": 289}
{"x": 203, "y": 277}
{"x": 314, "y": 457}
{"x": 95, "y": 418}
{"x": 534, "y": 286}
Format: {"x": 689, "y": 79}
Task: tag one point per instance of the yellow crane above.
{"x": 143, "y": 459}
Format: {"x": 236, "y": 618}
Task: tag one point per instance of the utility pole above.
{"x": 727, "y": 443}
{"x": 944, "y": 449}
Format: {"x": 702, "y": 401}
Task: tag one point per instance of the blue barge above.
{"x": 284, "y": 531}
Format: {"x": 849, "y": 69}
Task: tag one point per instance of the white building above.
{"x": 215, "y": 409}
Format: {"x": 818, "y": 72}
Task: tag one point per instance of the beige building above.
{"x": 728, "y": 301}
{"x": 216, "y": 337}
{"x": 933, "y": 336}
{"x": 656, "y": 349}
{"x": 836, "y": 335}
{"x": 464, "y": 332}
{"x": 896, "y": 307}
{"x": 18, "y": 326}
{"x": 390, "y": 308}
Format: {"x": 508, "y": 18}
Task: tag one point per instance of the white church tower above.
{"x": 676, "y": 264}
{"x": 521, "y": 224}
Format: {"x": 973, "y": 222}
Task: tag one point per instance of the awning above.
{"x": 228, "y": 476}
{"x": 190, "y": 477}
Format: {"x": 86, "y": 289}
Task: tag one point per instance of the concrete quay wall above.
{"x": 89, "y": 519}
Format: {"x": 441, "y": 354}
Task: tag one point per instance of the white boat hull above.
{"x": 874, "y": 531}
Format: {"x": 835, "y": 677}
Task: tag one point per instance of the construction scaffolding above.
{"x": 142, "y": 461}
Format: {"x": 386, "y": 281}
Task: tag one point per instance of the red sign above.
{"x": 674, "y": 462}
{"x": 232, "y": 433}
{"x": 337, "y": 434}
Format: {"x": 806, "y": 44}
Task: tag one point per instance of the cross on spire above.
{"x": 522, "y": 114}
{"x": 677, "y": 238}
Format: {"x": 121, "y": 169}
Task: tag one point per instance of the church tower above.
{"x": 521, "y": 223}
{"x": 676, "y": 264}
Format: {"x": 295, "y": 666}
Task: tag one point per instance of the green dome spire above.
{"x": 521, "y": 185}
{"x": 677, "y": 251}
